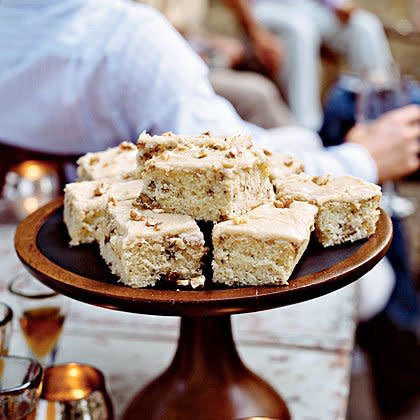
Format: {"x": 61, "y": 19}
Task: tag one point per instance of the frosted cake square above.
{"x": 211, "y": 182}
{"x": 264, "y": 247}
{"x": 116, "y": 162}
{"x": 85, "y": 203}
{"x": 142, "y": 247}
{"x": 149, "y": 146}
{"x": 281, "y": 165}
{"x": 348, "y": 206}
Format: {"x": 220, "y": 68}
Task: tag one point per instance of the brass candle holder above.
{"x": 74, "y": 391}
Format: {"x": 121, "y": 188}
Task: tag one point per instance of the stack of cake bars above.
{"x": 145, "y": 205}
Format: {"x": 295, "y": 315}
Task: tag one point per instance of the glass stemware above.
{"x": 382, "y": 91}
{"x": 6, "y": 317}
{"x": 20, "y": 387}
{"x": 41, "y": 317}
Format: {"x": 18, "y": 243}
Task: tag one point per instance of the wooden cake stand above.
{"x": 206, "y": 379}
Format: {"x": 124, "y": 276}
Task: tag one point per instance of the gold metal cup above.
{"x": 74, "y": 391}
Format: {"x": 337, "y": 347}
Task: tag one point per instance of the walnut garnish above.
{"x": 197, "y": 282}
{"x": 136, "y": 215}
{"x": 267, "y": 152}
{"x": 125, "y": 145}
{"x": 153, "y": 223}
{"x": 232, "y": 153}
{"x": 93, "y": 160}
{"x": 99, "y": 190}
{"x": 288, "y": 162}
{"x": 321, "y": 180}
{"x": 112, "y": 201}
{"x": 126, "y": 176}
{"x": 201, "y": 154}
{"x": 283, "y": 202}
{"x": 240, "y": 220}
{"x": 182, "y": 147}
{"x": 144, "y": 201}
{"x": 228, "y": 164}
{"x": 206, "y": 133}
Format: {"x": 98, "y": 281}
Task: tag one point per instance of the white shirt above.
{"x": 82, "y": 75}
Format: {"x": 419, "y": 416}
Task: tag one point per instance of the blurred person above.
{"x": 303, "y": 26}
{"x": 255, "y": 97}
{"x": 75, "y": 77}
{"x": 390, "y": 335}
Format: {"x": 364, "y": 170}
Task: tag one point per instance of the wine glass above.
{"x": 20, "y": 387}
{"x": 382, "y": 91}
{"x": 6, "y": 317}
{"x": 42, "y": 313}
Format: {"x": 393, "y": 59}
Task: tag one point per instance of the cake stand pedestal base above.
{"x": 206, "y": 380}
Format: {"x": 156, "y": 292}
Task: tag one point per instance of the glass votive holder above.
{"x": 29, "y": 185}
{"x": 20, "y": 387}
{"x": 6, "y": 327}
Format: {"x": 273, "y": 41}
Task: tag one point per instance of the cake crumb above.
{"x": 240, "y": 220}
{"x": 283, "y": 202}
{"x": 321, "y": 180}
{"x": 197, "y": 282}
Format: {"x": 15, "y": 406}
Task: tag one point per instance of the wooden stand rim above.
{"x": 193, "y": 303}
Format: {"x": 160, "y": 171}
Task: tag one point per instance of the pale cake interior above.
{"x": 206, "y": 194}
{"x": 264, "y": 248}
{"x": 156, "y": 246}
{"x": 339, "y": 222}
{"x": 85, "y": 203}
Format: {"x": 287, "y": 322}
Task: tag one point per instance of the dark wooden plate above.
{"x": 41, "y": 243}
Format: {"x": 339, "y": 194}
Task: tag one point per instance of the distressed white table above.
{"x": 304, "y": 350}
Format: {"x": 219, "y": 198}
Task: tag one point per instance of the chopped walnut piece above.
{"x": 283, "y": 202}
{"x": 321, "y": 180}
{"x": 99, "y": 190}
{"x": 144, "y": 201}
{"x": 232, "y": 153}
{"x": 267, "y": 152}
{"x": 182, "y": 147}
{"x": 112, "y": 201}
{"x": 288, "y": 162}
{"x": 228, "y": 164}
{"x": 125, "y": 145}
{"x": 136, "y": 215}
{"x": 240, "y": 220}
{"x": 197, "y": 282}
{"x": 206, "y": 133}
{"x": 153, "y": 223}
{"x": 201, "y": 154}
{"x": 93, "y": 160}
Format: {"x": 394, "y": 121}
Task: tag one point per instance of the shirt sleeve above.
{"x": 164, "y": 87}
